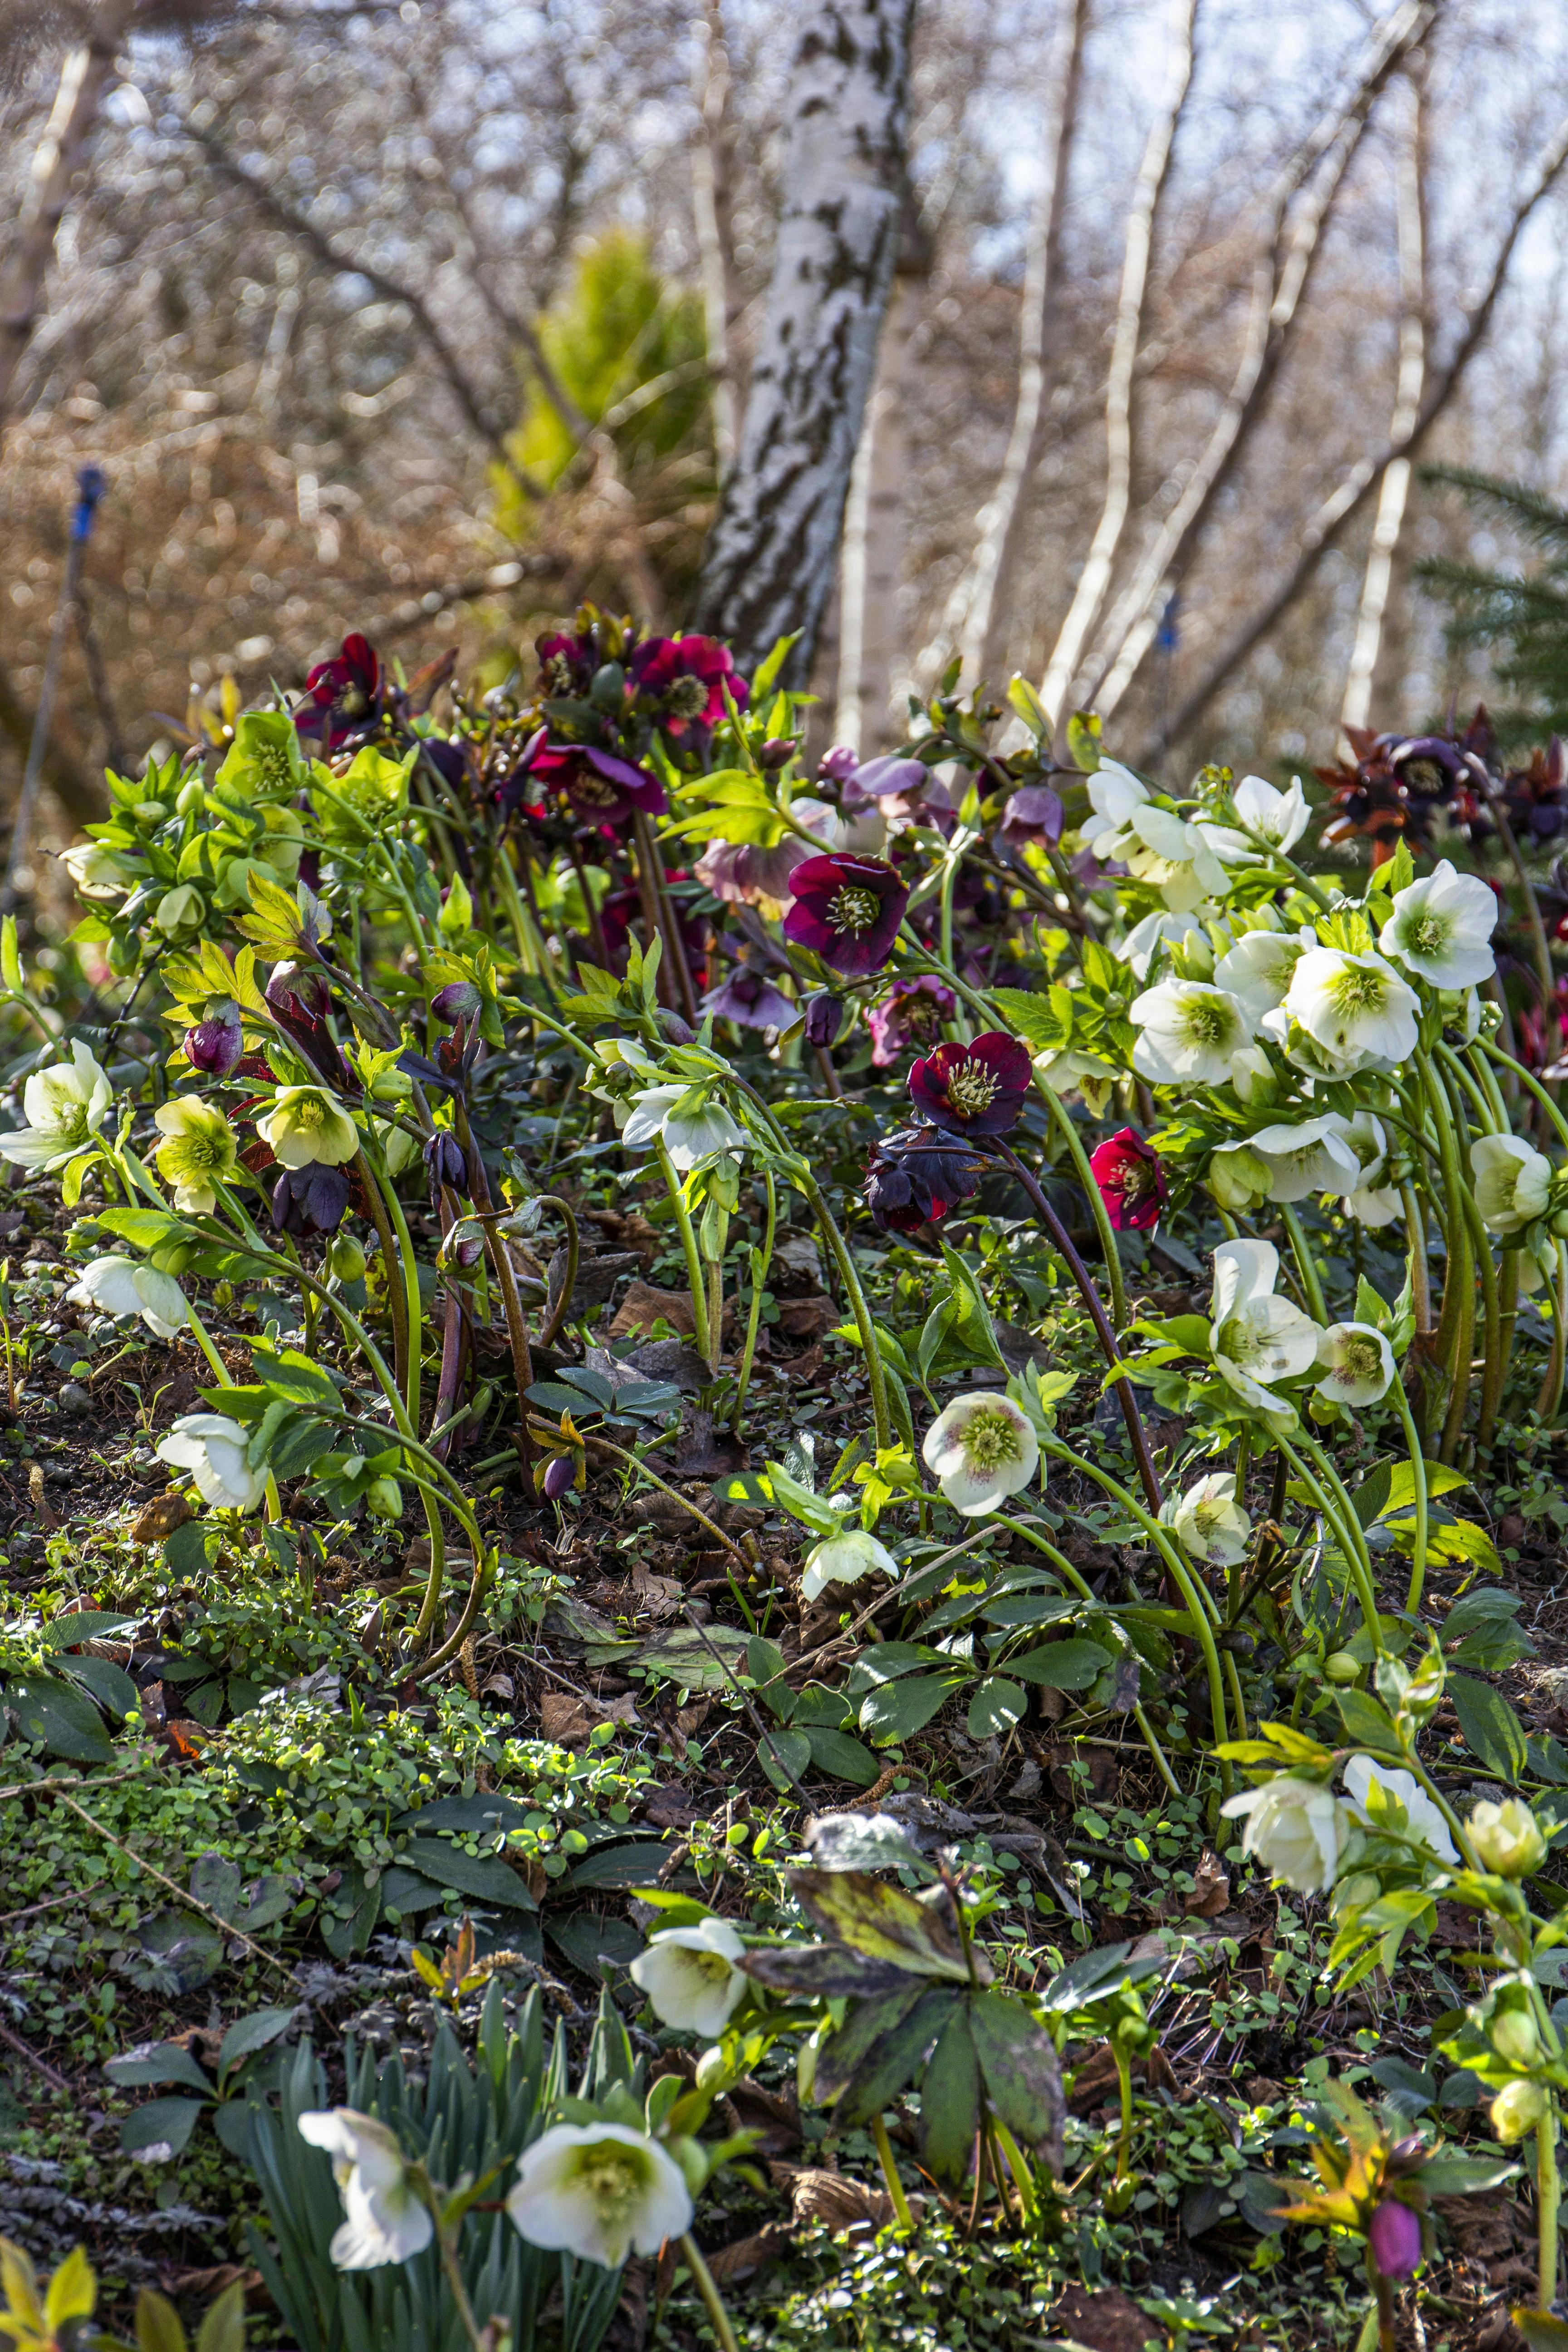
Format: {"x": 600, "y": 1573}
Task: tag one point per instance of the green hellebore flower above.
{"x": 198, "y": 1152}
{"x": 307, "y": 1124}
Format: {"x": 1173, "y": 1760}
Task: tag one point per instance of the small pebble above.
{"x": 74, "y": 1397}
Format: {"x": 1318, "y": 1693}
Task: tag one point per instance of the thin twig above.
{"x": 15, "y": 2041}
{"x": 761, "y": 1729}
{"x": 182, "y": 1894}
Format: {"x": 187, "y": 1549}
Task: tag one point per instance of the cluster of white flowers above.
{"x": 1258, "y": 1340}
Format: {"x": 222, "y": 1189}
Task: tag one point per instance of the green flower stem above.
{"x": 1532, "y": 1083}
{"x": 1418, "y": 1475}
{"x": 1548, "y": 2198}
{"x": 505, "y": 1274}
{"x": 667, "y": 917}
{"x": 885, "y": 2157}
{"x": 1550, "y": 1397}
{"x": 1339, "y": 1525}
{"x": 1420, "y": 1272}
{"x": 562, "y": 1307}
{"x": 1085, "y": 1591}
{"x": 1496, "y": 1368}
{"x": 1455, "y": 1324}
{"x": 447, "y": 2244}
{"x": 710, "y": 2295}
{"x": 383, "y": 1196}
{"x": 1492, "y": 1366}
{"x": 597, "y": 1444}
{"x": 950, "y": 865}
{"x": 695, "y": 1281}
{"x": 395, "y": 1271}
{"x": 1312, "y": 1288}
{"x": 1459, "y": 1075}
{"x": 1455, "y": 1826}
{"x": 761, "y": 1260}
{"x": 1196, "y": 1599}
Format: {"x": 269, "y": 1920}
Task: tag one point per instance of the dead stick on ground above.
{"x": 764, "y": 1734}
{"x": 15, "y": 2041}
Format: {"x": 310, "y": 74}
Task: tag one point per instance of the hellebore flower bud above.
{"x": 458, "y": 1001}
{"x": 215, "y": 1045}
{"x": 777, "y": 752}
{"x": 445, "y": 1158}
{"x": 824, "y": 1019}
{"x": 1517, "y": 2109}
{"x": 1507, "y": 1838}
{"x": 346, "y": 1256}
{"x": 679, "y": 1032}
{"x": 1394, "y": 2233}
{"x": 383, "y": 1498}
{"x": 558, "y": 1477}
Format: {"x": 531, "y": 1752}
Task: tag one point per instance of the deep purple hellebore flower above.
{"x": 824, "y": 1019}
{"x": 917, "y": 1176}
{"x": 975, "y": 1089}
{"x": 847, "y": 909}
{"x": 684, "y": 674}
{"x": 1130, "y": 1180}
{"x": 215, "y": 1045}
{"x": 312, "y": 1199}
{"x": 458, "y": 1001}
{"x": 1394, "y": 2233}
{"x": 343, "y": 695}
{"x": 603, "y": 788}
{"x": 558, "y": 1476}
{"x": 750, "y": 999}
{"x": 910, "y": 1014}
{"x": 444, "y": 1162}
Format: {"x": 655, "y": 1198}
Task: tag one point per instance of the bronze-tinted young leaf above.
{"x": 863, "y": 2027}
{"x": 831, "y": 1969}
{"x": 893, "y": 2060}
{"x": 950, "y": 2100}
{"x": 917, "y": 1932}
{"x": 1018, "y": 2061}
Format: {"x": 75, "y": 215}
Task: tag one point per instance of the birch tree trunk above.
{"x": 773, "y": 551}
{"x": 712, "y": 206}
{"x": 970, "y": 625}
{"x": 1280, "y": 281}
{"x": 1411, "y": 208}
{"x": 1346, "y": 502}
{"x": 1094, "y": 577}
{"x": 62, "y": 152}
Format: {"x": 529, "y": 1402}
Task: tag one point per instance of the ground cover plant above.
{"x": 782, "y": 1533}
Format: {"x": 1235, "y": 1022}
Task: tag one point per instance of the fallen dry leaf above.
{"x": 565, "y": 1718}
{"x": 160, "y": 1517}
{"x": 1102, "y": 2319}
{"x": 1211, "y": 1887}
{"x": 749, "y": 2257}
{"x": 645, "y": 1305}
{"x": 659, "y": 1596}
{"x": 817, "y": 2195}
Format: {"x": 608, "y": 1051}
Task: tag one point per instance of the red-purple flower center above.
{"x": 973, "y": 1088}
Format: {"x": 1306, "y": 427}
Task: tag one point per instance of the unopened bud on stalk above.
{"x": 215, "y": 1045}
{"x": 558, "y": 1477}
{"x": 824, "y": 1019}
{"x": 777, "y": 752}
{"x": 458, "y": 1001}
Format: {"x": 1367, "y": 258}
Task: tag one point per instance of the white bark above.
{"x": 1410, "y": 206}
{"x": 871, "y": 565}
{"x": 773, "y": 550}
{"x": 61, "y": 154}
{"x": 1094, "y": 577}
{"x": 712, "y": 201}
{"x": 970, "y": 622}
{"x": 1284, "y": 270}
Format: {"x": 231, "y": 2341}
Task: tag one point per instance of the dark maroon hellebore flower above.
{"x": 215, "y": 1045}
{"x": 312, "y": 1199}
{"x": 566, "y": 664}
{"x": 603, "y": 788}
{"x": 1394, "y": 2233}
{"x": 847, "y": 909}
{"x": 824, "y": 1019}
{"x": 910, "y": 1014}
{"x": 975, "y": 1089}
{"x": 343, "y": 695}
{"x": 683, "y": 675}
{"x": 1130, "y": 1180}
{"x": 917, "y": 1176}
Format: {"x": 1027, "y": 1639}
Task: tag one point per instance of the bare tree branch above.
{"x": 1341, "y": 507}
{"x": 1281, "y": 280}
{"x": 1094, "y": 577}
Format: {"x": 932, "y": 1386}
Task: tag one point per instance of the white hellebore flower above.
{"x": 1187, "y": 1032}
{"x": 388, "y": 2221}
{"x": 691, "y": 1976}
{"x": 1441, "y": 927}
{"x": 1137, "y": 950}
{"x": 64, "y": 1106}
{"x": 844, "y": 1558}
{"x": 981, "y": 1448}
{"x": 689, "y": 1135}
{"x": 213, "y": 1449}
{"x": 1358, "y": 1364}
{"x": 122, "y": 1287}
{"x": 1512, "y": 1180}
{"x": 1115, "y": 796}
{"x": 1255, "y": 1336}
{"x": 1355, "y": 1007}
{"x": 1162, "y": 848}
{"x": 1257, "y": 970}
{"x": 98, "y": 872}
{"x": 1208, "y": 1521}
{"x": 600, "y": 2191}
{"x": 1293, "y": 1829}
{"x": 1425, "y": 1822}
{"x": 1310, "y": 1156}
{"x": 1277, "y": 819}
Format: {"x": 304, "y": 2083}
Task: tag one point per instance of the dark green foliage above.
{"x": 1521, "y": 618}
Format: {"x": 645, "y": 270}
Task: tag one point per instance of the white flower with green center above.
{"x": 693, "y": 1125}
{"x": 981, "y": 1449}
{"x": 600, "y": 2191}
{"x": 1272, "y": 819}
{"x": 1164, "y": 849}
{"x": 1115, "y": 796}
{"x": 1208, "y": 1522}
{"x": 844, "y": 1558}
{"x": 1512, "y": 1180}
{"x": 1442, "y": 926}
{"x": 1138, "y": 949}
{"x": 1371, "y": 1201}
{"x": 1357, "y": 1364}
{"x": 387, "y": 2218}
{"x": 1256, "y": 1338}
{"x": 1257, "y": 970}
{"x": 1423, "y": 1821}
{"x": 1310, "y": 1156}
{"x": 64, "y": 1108}
{"x": 1188, "y": 1030}
{"x": 1240, "y": 1178}
{"x": 123, "y": 1286}
{"x": 213, "y": 1448}
{"x": 308, "y": 1127}
{"x": 1355, "y": 1007}
{"x": 691, "y": 1976}
{"x": 198, "y": 1152}
{"x": 1293, "y": 1829}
